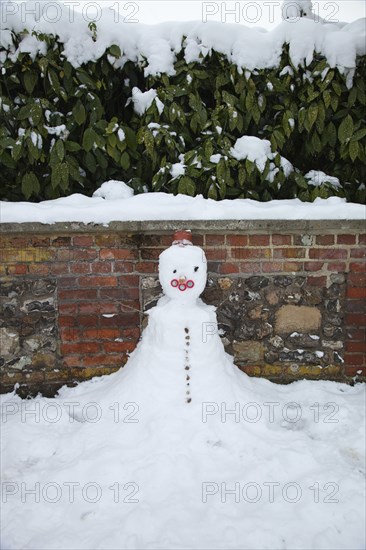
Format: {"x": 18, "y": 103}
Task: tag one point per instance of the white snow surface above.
{"x": 125, "y": 462}
{"x": 248, "y": 48}
{"x": 113, "y": 203}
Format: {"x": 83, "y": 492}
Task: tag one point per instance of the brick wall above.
{"x": 72, "y": 297}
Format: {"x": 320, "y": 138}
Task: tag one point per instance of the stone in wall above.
{"x": 282, "y": 321}
{"x": 28, "y": 327}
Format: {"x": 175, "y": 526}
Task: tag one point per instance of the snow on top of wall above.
{"x": 249, "y": 48}
{"x": 113, "y": 203}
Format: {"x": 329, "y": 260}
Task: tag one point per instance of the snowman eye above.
{"x": 196, "y": 268}
{"x": 174, "y": 271}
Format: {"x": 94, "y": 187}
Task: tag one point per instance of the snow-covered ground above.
{"x": 114, "y": 201}
{"x": 181, "y": 450}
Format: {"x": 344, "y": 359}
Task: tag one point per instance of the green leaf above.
{"x": 60, "y": 149}
{"x": 30, "y": 80}
{"x": 30, "y": 185}
{"x": 72, "y": 146}
{"x": 149, "y": 142}
{"x": 125, "y": 161}
{"x": 186, "y": 186}
{"x": 89, "y": 139}
{"x": 312, "y": 115}
{"x": 79, "y": 113}
{"x": 345, "y": 130}
{"x": 115, "y": 51}
{"x": 353, "y": 150}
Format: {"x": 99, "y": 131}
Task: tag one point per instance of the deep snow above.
{"x": 181, "y": 450}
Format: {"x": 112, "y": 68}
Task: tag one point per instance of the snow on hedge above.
{"x": 113, "y": 202}
{"x": 249, "y": 48}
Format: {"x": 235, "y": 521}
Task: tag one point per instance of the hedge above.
{"x": 65, "y": 129}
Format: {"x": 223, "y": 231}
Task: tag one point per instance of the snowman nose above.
{"x": 182, "y": 279}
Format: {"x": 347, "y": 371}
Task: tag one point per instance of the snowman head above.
{"x": 183, "y": 270}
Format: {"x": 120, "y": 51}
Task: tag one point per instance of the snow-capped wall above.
{"x": 289, "y": 296}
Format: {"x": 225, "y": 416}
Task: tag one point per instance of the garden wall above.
{"x": 290, "y": 297}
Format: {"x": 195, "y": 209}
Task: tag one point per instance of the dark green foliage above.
{"x": 65, "y": 130}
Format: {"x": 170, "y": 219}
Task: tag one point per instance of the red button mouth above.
{"x": 182, "y": 286}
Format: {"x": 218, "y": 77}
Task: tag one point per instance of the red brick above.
{"x": 19, "y": 269}
{"x": 317, "y": 281}
{"x": 129, "y": 318}
{"x": 356, "y": 346}
{"x": 272, "y": 267}
{"x": 355, "y": 319}
{"x": 328, "y": 253}
{"x": 218, "y": 254}
{"x": 353, "y": 292}
{"x": 98, "y": 307}
{"x": 213, "y": 267}
{"x": 61, "y": 242}
{"x": 289, "y": 253}
{"x": 83, "y": 240}
{"x": 80, "y": 267}
{"x": 362, "y": 238}
{"x": 146, "y": 267}
{"x": 64, "y": 255}
{"x": 70, "y": 334}
{"x": 80, "y": 348}
{"x": 358, "y": 252}
{"x": 118, "y": 254}
{"x": 281, "y": 240}
{"x": 150, "y": 253}
{"x": 354, "y": 371}
{"x": 259, "y": 240}
{"x": 250, "y": 253}
{"x": 72, "y": 361}
{"x": 67, "y": 321}
{"x": 87, "y": 320}
{"x": 78, "y": 254}
{"x": 249, "y": 267}
{"x": 324, "y": 239}
{"x": 77, "y": 295}
{"x": 197, "y": 240}
{"x": 356, "y": 306}
{"x": 101, "y": 360}
{"x": 121, "y": 294}
{"x": 129, "y": 280}
{"x": 40, "y": 242}
{"x": 214, "y": 240}
{"x": 354, "y": 359}
{"x": 68, "y": 309}
{"x": 118, "y": 347}
{"x": 127, "y": 267}
{"x": 336, "y": 267}
{"x": 91, "y": 282}
{"x": 313, "y": 266}
{"x": 356, "y": 279}
{"x": 131, "y": 333}
{"x": 102, "y": 267}
{"x": 289, "y": 267}
{"x": 356, "y": 334}
{"x": 40, "y": 269}
{"x": 357, "y": 267}
{"x": 237, "y": 240}
{"x": 59, "y": 268}
{"x": 101, "y": 334}
{"x": 227, "y": 268}
{"x": 346, "y": 239}
{"x": 66, "y": 282}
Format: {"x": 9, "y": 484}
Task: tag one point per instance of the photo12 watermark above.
{"x": 73, "y": 411}
{"x": 269, "y": 491}
{"x": 70, "y": 11}
{"x": 270, "y": 411}
{"x": 69, "y": 491}
{"x": 268, "y": 12}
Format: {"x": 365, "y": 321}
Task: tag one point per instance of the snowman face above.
{"x": 183, "y": 272}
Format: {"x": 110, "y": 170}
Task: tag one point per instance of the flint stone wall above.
{"x": 290, "y": 297}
